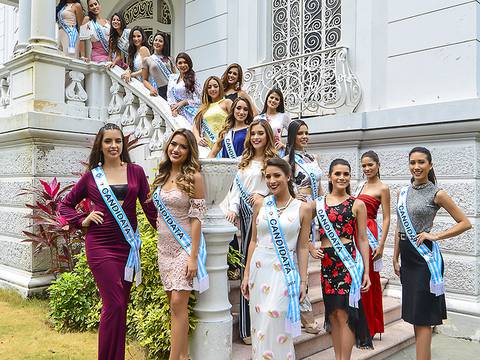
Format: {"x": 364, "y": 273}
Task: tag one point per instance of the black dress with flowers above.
{"x": 336, "y": 279}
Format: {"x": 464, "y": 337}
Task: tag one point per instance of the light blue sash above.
{"x": 244, "y": 194}
{"x": 432, "y": 257}
{"x": 163, "y": 68}
{"x": 354, "y": 266}
{"x": 290, "y": 271}
{"x": 312, "y": 174}
{"x": 122, "y": 43}
{"x": 228, "y": 141}
{"x": 72, "y": 32}
{"x": 372, "y": 240}
{"x": 100, "y": 35}
{"x": 133, "y": 238}
{"x": 207, "y": 130}
{"x": 191, "y": 110}
{"x": 200, "y": 282}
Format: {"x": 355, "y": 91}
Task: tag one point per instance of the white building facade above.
{"x": 382, "y": 75}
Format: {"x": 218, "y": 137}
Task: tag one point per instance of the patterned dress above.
{"x": 172, "y": 259}
{"x": 268, "y": 291}
{"x": 336, "y": 279}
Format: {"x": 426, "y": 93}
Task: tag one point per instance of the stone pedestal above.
{"x": 212, "y": 338}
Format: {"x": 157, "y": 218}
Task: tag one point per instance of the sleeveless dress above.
{"x": 99, "y": 54}
{"x": 268, "y": 292}
{"x": 172, "y": 258}
{"x": 301, "y": 179}
{"x": 336, "y": 279}
{"x": 215, "y": 117}
{"x": 156, "y": 77}
{"x": 238, "y": 143}
{"x": 254, "y": 182}
{"x": 372, "y": 300}
{"x": 69, "y": 18}
{"x": 232, "y": 96}
{"x": 419, "y": 306}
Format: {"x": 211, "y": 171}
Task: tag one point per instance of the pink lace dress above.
{"x": 172, "y": 259}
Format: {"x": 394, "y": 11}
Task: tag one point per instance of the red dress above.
{"x": 372, "y": 299}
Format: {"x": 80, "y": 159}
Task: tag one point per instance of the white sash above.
{"x": 72, "y": 32}
{"x": 161, "y": 65}
{"x": 100, "y": 35}
{"x": 228, "y": 141}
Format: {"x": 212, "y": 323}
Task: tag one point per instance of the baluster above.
{"x": 157, "y": 140}
{"x": 351, "y": 92}
{"x": 129, "y": 116}
{"x": 76, "y": 95}
{"x": 143, "y": 129}
{"x": 4, "y": 92}
{"x": 116, "y": 105}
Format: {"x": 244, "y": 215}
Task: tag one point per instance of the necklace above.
{"x": 286, "y": 205}
{"x": 420, "y": 186}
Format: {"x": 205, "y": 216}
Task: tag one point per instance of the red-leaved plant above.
{"x": 50, "y": 229}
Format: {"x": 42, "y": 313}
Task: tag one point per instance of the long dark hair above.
{"x": 90, "y": 14}
{"x": 420, "y": 149}
{"x": 330, "y": 171}
{"x": 293, "y": 128}
{"x": 285, "y": 167}
{"x": 281, "y": 105}
{"x": 60, "y": 6}
{"x": 96, "y": 155}
{"x": 166, "y": 43}
{"x": 189, "y": 76}
{"x": 114, "y": 36}
{"x": 238, "y": 85}
{"x": 230, "y": 120}
{"x": 374, "y": 156}
{"x": 132, "y": 49}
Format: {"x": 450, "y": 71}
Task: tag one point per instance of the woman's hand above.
{"x": 95, "y": 216}
{"x": 84, "y": 58}
{"x": 126, "y": 76}
{"x": 303, "y": 290}
{"x": 244, "y": 286}
{"x": 232, "y": 217}
{"x": 316, "y": 253}
{"x": 378, "y": 252}
{"x": 202, "y": 142}
{"x": 192, "y": 267}
{"x": 109, "y": 64}
{"x": 425, "y": 236}
{"x": 279, "y": 145}
{"x": 153, "y": 92}
{"x": 396, "y": 267}
{"x": 301, "y": 197}
{"x": 365, "y": 283}
{"x": 255, "y": 197}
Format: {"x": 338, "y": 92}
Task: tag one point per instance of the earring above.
{"x": 121, "y": 161}
{"x": 100, "y": 161}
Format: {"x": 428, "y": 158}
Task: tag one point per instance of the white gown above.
{"x": 268, "y": 291}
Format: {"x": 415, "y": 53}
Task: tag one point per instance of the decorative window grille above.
{"x": 304, "y": 26}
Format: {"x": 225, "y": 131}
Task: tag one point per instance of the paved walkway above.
{"x": 444, "y": 348}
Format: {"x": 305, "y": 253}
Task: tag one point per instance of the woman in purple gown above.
{"x": 106, "y": 246}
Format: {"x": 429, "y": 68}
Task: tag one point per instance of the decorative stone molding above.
{"x": 74, "y": 92}
{"x": 116, "y": 105}
{"x": 4, "y": 92}
{"x": 157, "y": 140}
{"x": 144, "y": 128}
{"x": 129, "y": 117}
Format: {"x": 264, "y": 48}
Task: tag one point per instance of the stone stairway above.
{"x": 398, "y": 334}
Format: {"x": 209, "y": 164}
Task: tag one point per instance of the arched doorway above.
{"x": 151, "y": 15}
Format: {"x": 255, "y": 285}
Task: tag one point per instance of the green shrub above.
{"x": 75, "y": 304}
{"x": 74, "y": 300}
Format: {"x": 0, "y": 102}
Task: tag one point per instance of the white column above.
{"x": 42, "y": 30}
{"x": 24, "y": 19}
{"x": 212, "y": 339}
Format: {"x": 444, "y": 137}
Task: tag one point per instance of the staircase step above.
{"x": 312, "y": 344}
{"x": 398, "y": 335}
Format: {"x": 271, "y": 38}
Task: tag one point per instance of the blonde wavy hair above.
{"x": 191, "y": 165}
{"x": 249, "y": 152}
{"x": 207, "y": 101}
{"x": 230, "y": 120}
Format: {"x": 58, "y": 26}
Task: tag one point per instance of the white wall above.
{"x": 8, "y": 31}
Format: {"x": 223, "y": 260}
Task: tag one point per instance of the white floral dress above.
{"x": 268, "y": 291}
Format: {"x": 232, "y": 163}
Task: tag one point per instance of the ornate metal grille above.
{"x": 307, "y": 63}
{"x": 304, "y": 26}
{"x": 139, "y": 10}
